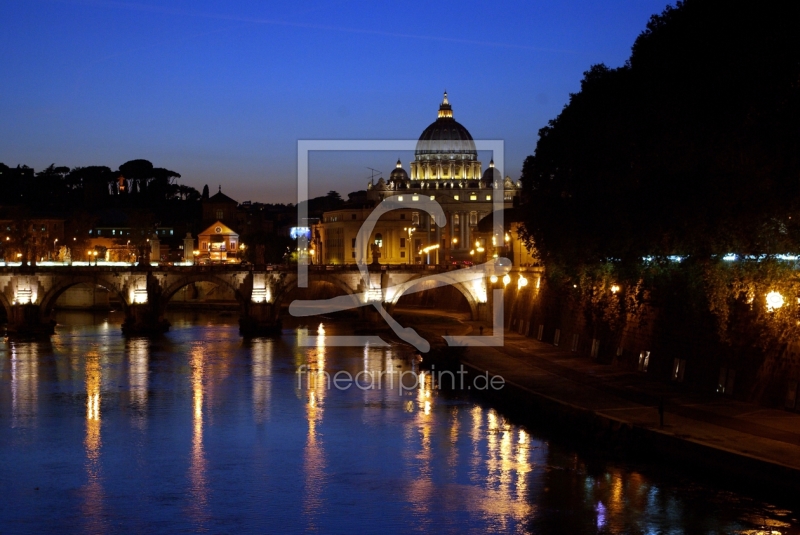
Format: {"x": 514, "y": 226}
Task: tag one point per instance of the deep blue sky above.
{"x": 221, "y": 93}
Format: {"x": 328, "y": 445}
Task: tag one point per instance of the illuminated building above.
{"x": 218, "y": 243}
{"x": 445, "y": 169}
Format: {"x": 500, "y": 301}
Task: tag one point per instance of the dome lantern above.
{"x": 445, "y": 110}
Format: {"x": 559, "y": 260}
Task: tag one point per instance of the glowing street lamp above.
{"x": 774, "y": 301}
{"x": 493, "y": 279}
{"x": 506, "y": 279}
{"x": 614, "y": 288}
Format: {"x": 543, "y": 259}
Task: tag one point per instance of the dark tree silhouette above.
{"x": 692, "y": 147}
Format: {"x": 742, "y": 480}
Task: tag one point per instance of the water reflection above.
{"x": 262, "y": 349}
{"x": 506, "y": 471}
{"x": 228, "y": 440}
{"x": 138, "y": 376}
{"x": 422, "y": 489}
{"x": 318, "y": 382}
{"x": 24, "y": 384}
{"x": 198, "y": 485}
{"x": 93, "y": 492}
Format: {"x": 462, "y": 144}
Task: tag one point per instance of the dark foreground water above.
{"x": 202, "y": 432}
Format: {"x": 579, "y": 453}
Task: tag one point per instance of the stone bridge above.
{"x": 29, "y": 294}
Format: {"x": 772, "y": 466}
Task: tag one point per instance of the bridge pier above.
{"x": 144, "y": 319}
{"x": 259, "y": 319}
{"x": 26, "y": 321}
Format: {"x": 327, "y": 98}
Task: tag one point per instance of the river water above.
{"x": 200, "y": 431}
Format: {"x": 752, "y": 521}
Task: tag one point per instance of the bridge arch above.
{"x": 61, "y": 285}
{"x": 291, "y": 284}
{"x": 445, "y": 281}
{"x": 173, "y": 288}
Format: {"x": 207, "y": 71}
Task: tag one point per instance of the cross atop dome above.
{"x": 445, "y": 110}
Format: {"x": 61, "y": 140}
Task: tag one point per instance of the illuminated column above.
{"x": 457, "y": 232}
{"x": 438, "y": 252}
{"x": 464, "y": 231}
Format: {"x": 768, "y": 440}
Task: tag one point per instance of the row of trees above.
{"x": 692, "y": 150}
{"x": 136, "y": 184}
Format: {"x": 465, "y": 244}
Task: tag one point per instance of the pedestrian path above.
{"x": 769, "y": 435}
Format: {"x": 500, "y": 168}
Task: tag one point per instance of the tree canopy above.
{"x": 691, "y": 148}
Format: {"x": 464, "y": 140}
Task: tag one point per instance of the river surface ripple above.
{"x": 200, "y": 431}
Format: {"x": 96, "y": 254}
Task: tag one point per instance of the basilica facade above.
{"x": 445, "y": 169}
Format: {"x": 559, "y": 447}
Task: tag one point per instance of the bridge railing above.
{"x": 224, "y": 268}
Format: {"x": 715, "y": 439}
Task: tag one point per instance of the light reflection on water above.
{"x": 201, "y": 431}
{"x": 94, "y": 494}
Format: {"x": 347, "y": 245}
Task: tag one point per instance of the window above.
{"x": 415, "y": 218}
{"x": 379, "y": 239}
{"x": 353, "y": 254}
{"x": 352, "y": 216}
{"x": 473, "y": 197}
{"x": 488, "y": 197}
{"x": 402, "y": 254}
{"x": 456, "y": 220}
{"x": 415, "y": 197}
{"x": 473, "y": 218}
{"x": 400, "y": 198}
{"x": 219, "y": 214}
{"x": 433, "y": 197}
{"x": 402, "y": 216}
{"x": 402, "y": 242}
{"x": 205, "y": 246}
{"x": 353, "y": 243}
{"x": 455, "y": 197}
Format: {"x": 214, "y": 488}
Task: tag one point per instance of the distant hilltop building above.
{"x": 445, "y": 169}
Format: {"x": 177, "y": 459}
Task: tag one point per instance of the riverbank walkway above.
{"x": 744, "y": 429}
